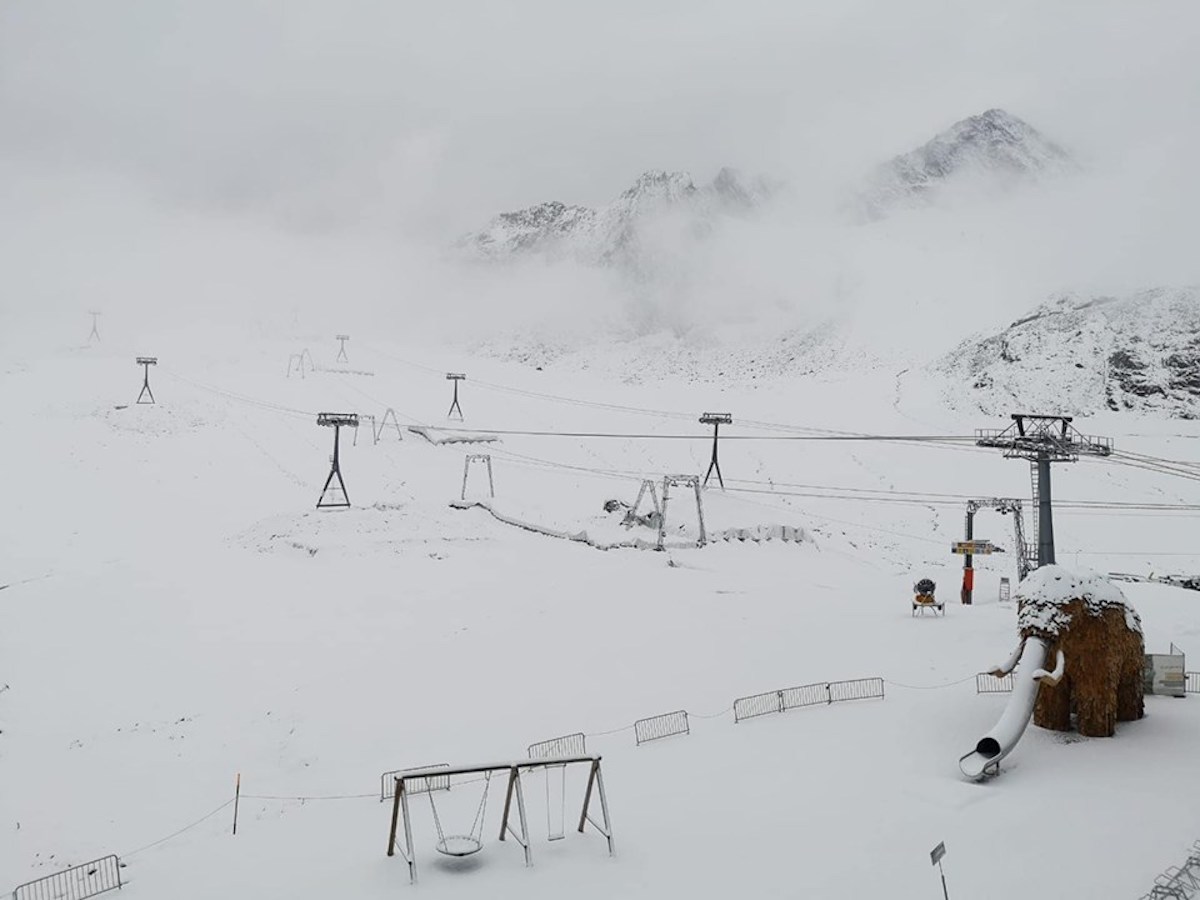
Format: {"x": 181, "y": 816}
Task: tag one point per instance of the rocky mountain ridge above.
{"x": 995, "y": 144}
{"x": 1075, "y": 355}
{"x": 614, "y": 235}
{"x": 996, "y": 147}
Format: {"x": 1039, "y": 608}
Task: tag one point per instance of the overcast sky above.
{"x": 291, "y": 164}
{"x": 434, "y": 115}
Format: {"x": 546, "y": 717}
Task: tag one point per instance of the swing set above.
{"x": 459, "y": 844}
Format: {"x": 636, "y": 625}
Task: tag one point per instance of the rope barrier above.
{"x": 176, "y": 834}
{"x": 371, "y": 796}
{"x": 726, "y": 711}
{"x": 928, "y": 687}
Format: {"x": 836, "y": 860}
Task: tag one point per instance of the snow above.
{"x": 994, "y": 145}
{"x": 1137, "y": 351}
{"x": 175, "y": 612}
{"x": 1044, "y": 594}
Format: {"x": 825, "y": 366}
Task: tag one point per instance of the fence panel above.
{"x": 662, "y": 726}
{"x": 567, "y": 745}
{"x": 990, "y": 684}
{"x": 757, "y": 705}
{"x": 1192, "y": 683}
{"x": 805, "y": 695}
{"x": 387, "y": 782}
{"x": 856, "y": 689}
{"x": 75, "y": 883}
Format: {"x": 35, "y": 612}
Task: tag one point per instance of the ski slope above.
{"x": 176, "y": 612}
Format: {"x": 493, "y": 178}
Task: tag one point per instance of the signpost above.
{"x": 935, "y": 857}
{"x": 1166, "y": 674}
{"x": 981, "y": 547}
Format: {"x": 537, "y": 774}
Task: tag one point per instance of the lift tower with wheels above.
{"x": 335, "y": 495}
{"x": 1043, "y": 440}
{"x": 716, "y": 420}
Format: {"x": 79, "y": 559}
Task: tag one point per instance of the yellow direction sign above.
{"x": 976, "y": 547}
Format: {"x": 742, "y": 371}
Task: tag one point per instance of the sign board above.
{"x": 981, "y": 547}
{"x": 1165, "y": 674}
{"x": 936, "y": 854}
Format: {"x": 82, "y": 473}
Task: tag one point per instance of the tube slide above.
{"x": 1000, "y": 741}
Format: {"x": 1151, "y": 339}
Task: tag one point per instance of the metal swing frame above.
{"x": 415, "y": 780}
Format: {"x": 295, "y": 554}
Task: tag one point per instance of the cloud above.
{"x": 273, "y": 156}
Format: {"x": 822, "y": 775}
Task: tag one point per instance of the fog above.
{"x": 301, "y": 167}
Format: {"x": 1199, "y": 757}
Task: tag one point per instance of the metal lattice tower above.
{"x": 95, "y": 335}
{"x": 1043, "y": 440}
{"x": 455, "y": 377}
{"x": 146, "y": 362}
{"x": 716, "y": 420}
{"x": 336, "y": 421}
{"x": 341, "y": 356}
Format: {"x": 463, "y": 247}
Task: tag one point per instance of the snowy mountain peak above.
{"x": 659, "y": 184}
{"x": 536, "y": 228}
{"x": 734, "y": 191}
{"x": 995, "y": 145}
{"x": 610, "y": 236}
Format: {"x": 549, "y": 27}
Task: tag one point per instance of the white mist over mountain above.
{"x": 965, "y": 232}
{"x": 313, "y": 180}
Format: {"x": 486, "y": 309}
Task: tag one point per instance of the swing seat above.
{"x": 459, "y": 845}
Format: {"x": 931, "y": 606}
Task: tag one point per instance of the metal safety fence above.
{"x": 566, "y": 745}
{"x": 76, "y": 883}
{"x": 986, "y": 683}
{"x": 856, "y": 689}
{"x": 1178, "y": 882}
{"x": 824, "y": 692}
{"x": 387, "y": 781}
{"x": 654, "y": 728}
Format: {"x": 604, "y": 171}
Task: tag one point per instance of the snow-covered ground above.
{"x": 176, "y": 612}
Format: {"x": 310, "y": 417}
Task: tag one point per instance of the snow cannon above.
{"x": 923, "y": 598}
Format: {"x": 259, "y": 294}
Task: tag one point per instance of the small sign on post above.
{"x": 973, "y": 547}
{"x": 1165, "y": 674}
{"x": 935, "y": 857}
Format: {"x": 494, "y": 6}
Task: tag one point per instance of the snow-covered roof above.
{"x": 1045, "y": 593}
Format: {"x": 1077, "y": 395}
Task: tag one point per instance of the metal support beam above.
{"x": 455, "y": 377}
{"x": 1045, "y": 514}
{"x": 669, "y": 481}
{"x": 716, "y": 420}
{"x": 477, "y": 457}
{"x": 968, "y": 582}
{"x": 146, "y": 362}
{"x": 336, "y": 421}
